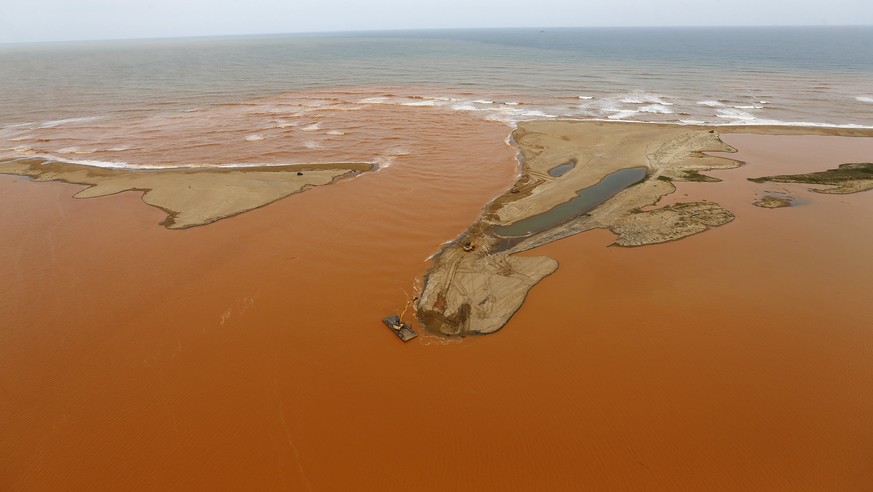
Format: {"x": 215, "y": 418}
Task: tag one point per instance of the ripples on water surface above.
{"x": 176, "y": 102}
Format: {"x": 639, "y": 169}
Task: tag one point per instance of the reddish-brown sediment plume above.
{"x": 249, "y": 353}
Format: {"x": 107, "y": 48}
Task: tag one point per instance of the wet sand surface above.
{"x": 249, "y": 354}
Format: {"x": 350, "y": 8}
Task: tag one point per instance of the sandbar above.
{"x": 190, "y": 196}
{"x": 477, "y": 292}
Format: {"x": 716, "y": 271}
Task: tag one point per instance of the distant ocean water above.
{"x": 53, "y": 93}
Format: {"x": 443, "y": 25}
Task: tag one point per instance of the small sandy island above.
{"x": 190, "y": 196}
{"x": 574, "y": 177}
{"x": 770, "y": 201}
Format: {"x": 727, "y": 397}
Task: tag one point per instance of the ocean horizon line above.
{"x": 393, "y": 32}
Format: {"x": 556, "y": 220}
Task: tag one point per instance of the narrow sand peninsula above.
{"x": 190, "y": 196}
{"x": 476, "y": 292}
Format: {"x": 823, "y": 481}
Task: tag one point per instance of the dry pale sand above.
{"x": 190, "y": 196}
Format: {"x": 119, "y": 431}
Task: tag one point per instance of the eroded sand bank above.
{"x": 476, "y": 292}
{"x": 190, "y": 196}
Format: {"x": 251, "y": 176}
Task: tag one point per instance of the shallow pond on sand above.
{"x": 587, "y": 199}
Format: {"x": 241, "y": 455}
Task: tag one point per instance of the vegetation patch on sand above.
{"x": 668, "y": 223}
{"x": 190, "y": 196}
{"x": 773, "y": 202}
{"x": 693, "y": 175}
{"x": 847, "y": 178}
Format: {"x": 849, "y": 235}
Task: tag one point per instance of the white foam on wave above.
{"x": 763, "y": 122}
{"x": 425, "y": 102}
{"x": 503, "y": 118}
{"x": 313, "y": 145}
{"x": 586, "y": 98}
{"x": 644, "y": 98}
{"x": 755, "y": 122}
{"x": 864, "y": 99}
{"x": 435, "y": 98}
{"x": 76, "y": 150}
{"x": 335, "y": 132}
{"x": 254, "y": 138}
{"x": 160, "y": 167}
{"x": 656, "y": 109}
{"x": 710, "y": 104}
{"x": 16, "y": 130}
{"x": 511, "y": 115}
{"x": 611, "y": 108}
{"x": 384, "y": 161}
{"x": 511, "y": 103}
{"x": 311, "y": 128}
{"x": 81, "y": 151}
{"x": 17, "y": 125}
{"x": 534, "y": 113}
{"x": 374, "y": 100}
{"x": 625, "y": 106}
{"x": 387, "y": 159}
{"x": 748, "y": 106}
{"x": 103, "y": 164}
{"x": 483, "y": 101}
{"x": 849, "y": 126}
{"x": 464, "y": 107}
{"x": 621, "y": 114}
{"x": 286, "y": 125}
{"x": 735, "y": 114}
{"x": 66, "y": 121}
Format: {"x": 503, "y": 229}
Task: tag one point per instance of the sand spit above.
{"x": 190, "y": 196}
{"x": 847, "y": 178}
{"x": 477, "y": 292}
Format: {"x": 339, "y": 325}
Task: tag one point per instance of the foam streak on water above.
{"x": 306, "y": 126}
{"x": 248, "y": 88}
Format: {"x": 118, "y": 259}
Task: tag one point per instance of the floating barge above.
{"x": 401, "y": 329}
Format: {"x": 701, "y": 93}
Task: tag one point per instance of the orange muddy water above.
{"x": 249, "y": 354}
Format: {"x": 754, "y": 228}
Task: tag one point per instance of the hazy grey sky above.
{"x": 55, "y": 20}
